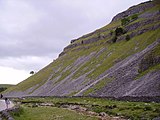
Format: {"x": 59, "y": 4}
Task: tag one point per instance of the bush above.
{"x": 127, "y": 37}
{"x": 119, "y": 31}
{"x": 134, "y": 17}
{"x": 148, "y": 108}
{"x": 17, "y": 112}
{"x": 111, "y": 32}
{"x": 125, "y": 21}
{"x": 114, "y": 39}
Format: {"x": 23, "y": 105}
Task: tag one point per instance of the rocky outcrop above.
{"x": 6, "y": 114}
{"x": 139, "y": 32}
{"x": 134, "y": 10}
{"x": 150, "y": 14}
{"x": 148, "y": 61}
{"x": 142, "y": 23}
{"x": 98, "y": 34}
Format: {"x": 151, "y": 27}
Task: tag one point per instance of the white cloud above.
{"x": 27, "y": 63}
{"x": 17, "y": 15}
{"x": 12, "y": 76}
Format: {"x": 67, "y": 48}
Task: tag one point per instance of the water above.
{"x": 3, "y": 105}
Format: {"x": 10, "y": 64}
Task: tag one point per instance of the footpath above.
{"x": 3, "y": 106}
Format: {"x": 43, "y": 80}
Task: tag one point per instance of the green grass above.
{"x": 150, "y": 69}
{"x": 156, "y": 51}
{"x": 50, "y": 113}
{"x": 112, "y": 25}
{"x": 132, "y": 110}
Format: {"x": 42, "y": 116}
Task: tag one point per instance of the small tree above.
{"x": 82, "y": 42}
{"x": 32, "y": 72}
{"x": 119, "y": 31}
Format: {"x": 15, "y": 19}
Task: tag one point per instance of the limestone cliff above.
{"x": 120, "y": 59}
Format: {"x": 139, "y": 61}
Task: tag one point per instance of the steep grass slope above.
{"x": 120, "y": 59}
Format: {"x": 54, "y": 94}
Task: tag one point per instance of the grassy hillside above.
{"x": 87, "y": 58}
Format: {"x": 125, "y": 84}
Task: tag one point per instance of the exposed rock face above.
{"x": 138, "y": 32}
{"x": 148, "y": 85}
{"x": 142, "y": 23}
{"x": 148, "y": 61}
{"x": 124, "y": 74}
{"x": 133, "y": 10}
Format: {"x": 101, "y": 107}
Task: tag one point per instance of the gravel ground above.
{"x": 3, "y": 106}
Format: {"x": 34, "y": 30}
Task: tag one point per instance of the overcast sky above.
{"x": 34, "y": 32}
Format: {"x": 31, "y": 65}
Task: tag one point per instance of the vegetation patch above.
{"x": 130, "y": 110}
{"x": 50, "y": 113}
{"x": 97, "y": 86}
{"x": 120, "y": 50}
{"x": 129, "y": 19}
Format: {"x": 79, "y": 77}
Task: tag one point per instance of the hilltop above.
{"x": 119, "y": 59}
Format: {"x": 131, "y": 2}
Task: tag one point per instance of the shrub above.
{"x": 101, "y": 36}
{"x": 111, "y": 32}
{"x": 125, "y": 21}
{"x": 127, "y": 37}
{"x": 114, "y": 39}
{"x": 134, "y": 17}
{"x": 119, "y": 31}
{"x": 17, "y": 112}
{"x": 82, "y": 42}
{"x": 32, "y": 72}
{"x": 148, "y": 108}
